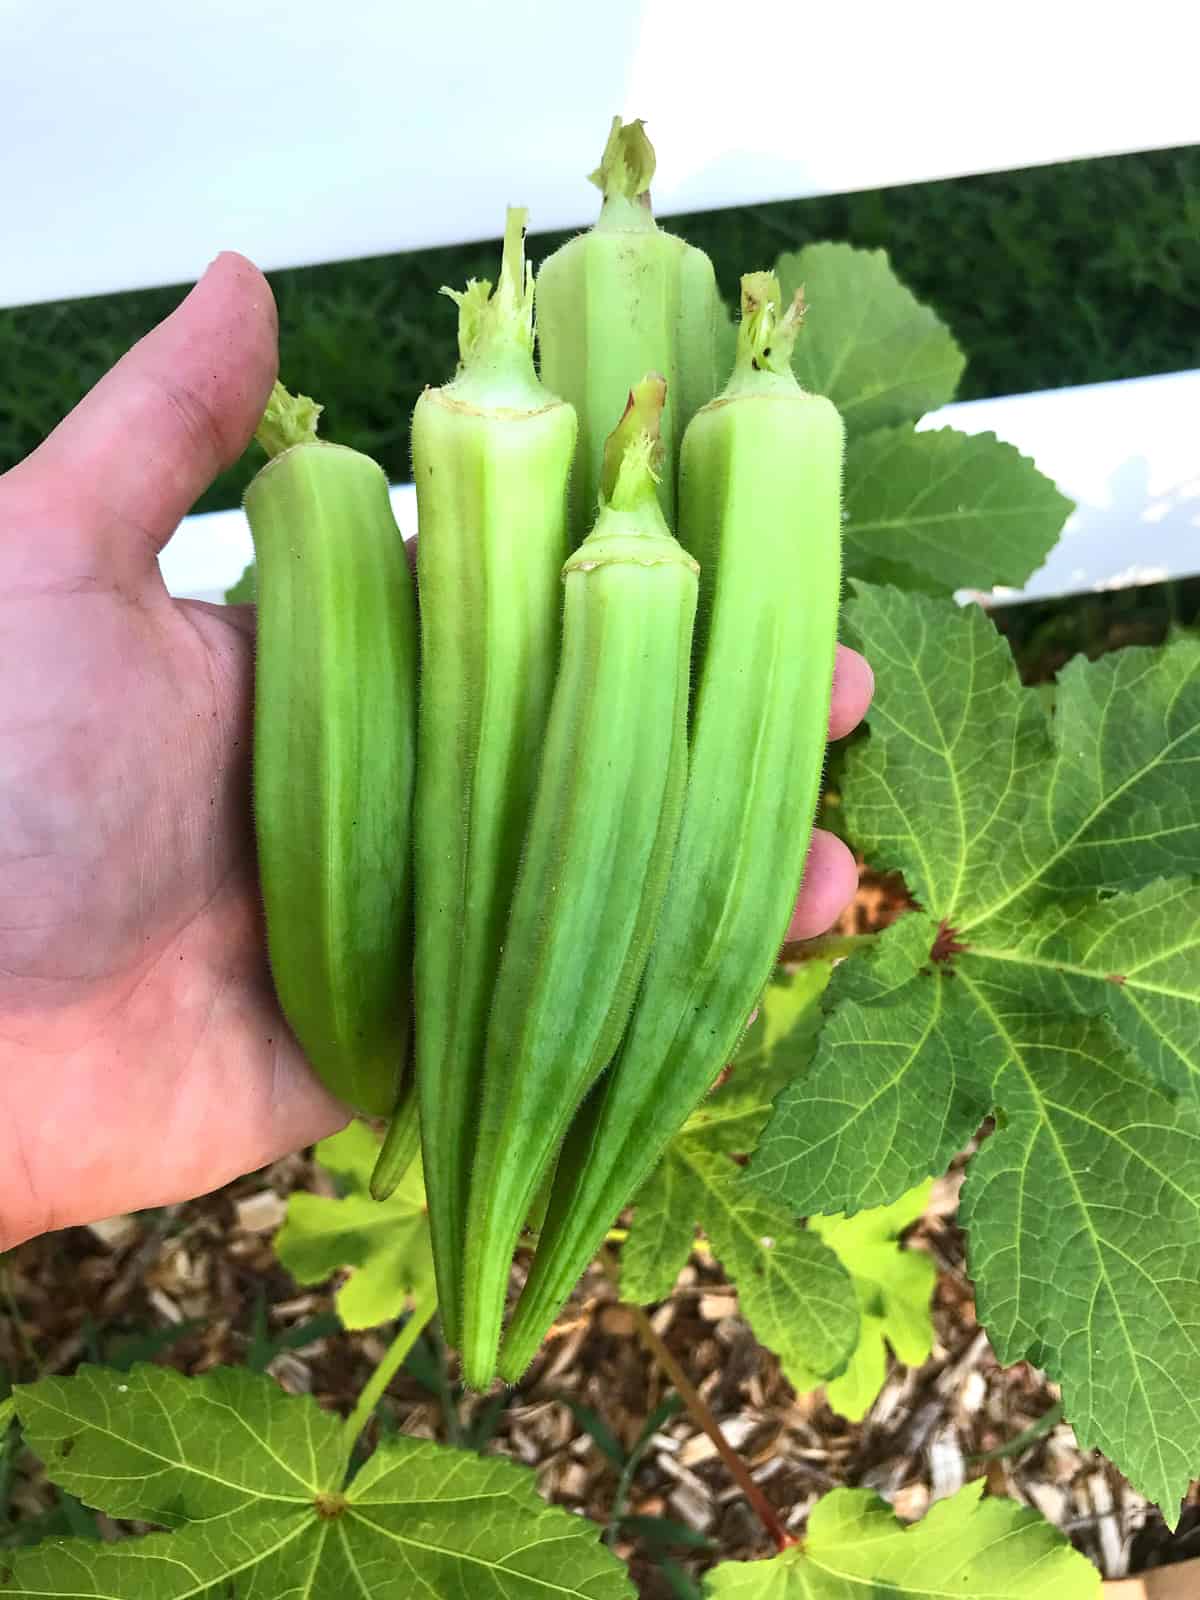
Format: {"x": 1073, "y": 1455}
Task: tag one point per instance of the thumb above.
{"x": 108, "y": 487}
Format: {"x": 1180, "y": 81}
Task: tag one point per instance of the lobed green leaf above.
{"x": 943, "y": 510}
{"x": 243, "y": 1475}
{"x": 1083, "y": 1215}
{"x": 893, "y": 1286}
{"x": 1051, "y": 978}
{"x": 385, "y": 1242}
{"x": 856, "y": 1548}
{"x": 867, "y": 342}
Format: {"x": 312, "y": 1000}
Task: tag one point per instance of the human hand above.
{"x": 143, "y": 1059}
{"x": 142, "y": 1056}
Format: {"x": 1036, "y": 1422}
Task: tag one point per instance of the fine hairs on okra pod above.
{"x": 627, "y": 297}
{"x": 597, "y": 854}
{"x": 760, "y": 509}
{"x": 334, "y": 752}
{"x": 492, "y": 455}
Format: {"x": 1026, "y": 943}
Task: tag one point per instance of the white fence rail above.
{"x": 1127, "y": 453}
{"x": 140, "y": 139}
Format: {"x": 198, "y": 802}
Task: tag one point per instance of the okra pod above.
{"x": 760, "y": 509}
{"x": 625, "y": 298}
{"x": 491, "y": 460}
{"x": 597, "y": 854}
{"x": 334, "y": 751}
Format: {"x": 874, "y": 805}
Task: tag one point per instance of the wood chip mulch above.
{"x": 206, "y": 1271}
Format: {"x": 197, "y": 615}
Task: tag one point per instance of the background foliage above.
{"x": 1073, "y": 273}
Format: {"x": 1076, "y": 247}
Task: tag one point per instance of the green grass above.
{"x": 1073, "y": 273}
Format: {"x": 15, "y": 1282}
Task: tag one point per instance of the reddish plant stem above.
{"x": 702, "y": 1416}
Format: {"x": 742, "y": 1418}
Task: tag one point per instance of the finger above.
{"x": 830, "y": 883}
{"x": 120, "y": 471}
{"x": 853, "y": 686}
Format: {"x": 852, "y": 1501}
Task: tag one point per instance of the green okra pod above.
{"x": 760, "y": 509}
{"x": 492, "y": 456}
{"x": 334, "y": 752}
{"x": 625, "y": 298}
{"x": 597, "y": 854}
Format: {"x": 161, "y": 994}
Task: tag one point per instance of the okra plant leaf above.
{"x": 156, "y": 1446}
{"x": 1050, "y": 978}
{"x": 856, "y": 1548}
{"x": 945, "y": 510}
{"x": 896, "y": 1086}
{"x": 1083, "y": 1215}
{"x": 1119, "y": 808}
{"x": 247, "y": 1481}
{"x": 663, "y": 1231}
{"x": 1133, "y": 956}
{"x": 998, "y": 813}
{"x": 867, "y": 342}
{"x": 893, "y": 1285}
{"x": 385, "y": 1242}
{"x": 957, "y": 756}
{"x": 792, "y": 1290}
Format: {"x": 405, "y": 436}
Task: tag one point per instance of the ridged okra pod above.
{"x": 760, "y": 509}
{"x": 625, "y": 298}
{"x": 334, "y": 752}
{"x": 401, "y": 1142}
{"x": 491, "y": 460}
{"x": 597, "y": 855}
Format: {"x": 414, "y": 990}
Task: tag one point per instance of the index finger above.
{"x": 853, "y": 686}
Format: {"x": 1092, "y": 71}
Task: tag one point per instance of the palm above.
{"x": 134, "y": 720}
{"x": 131, "y": 956}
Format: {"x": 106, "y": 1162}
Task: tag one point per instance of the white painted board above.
{"x": 1128, "y": 453}
{"x": 140, "y": 138}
